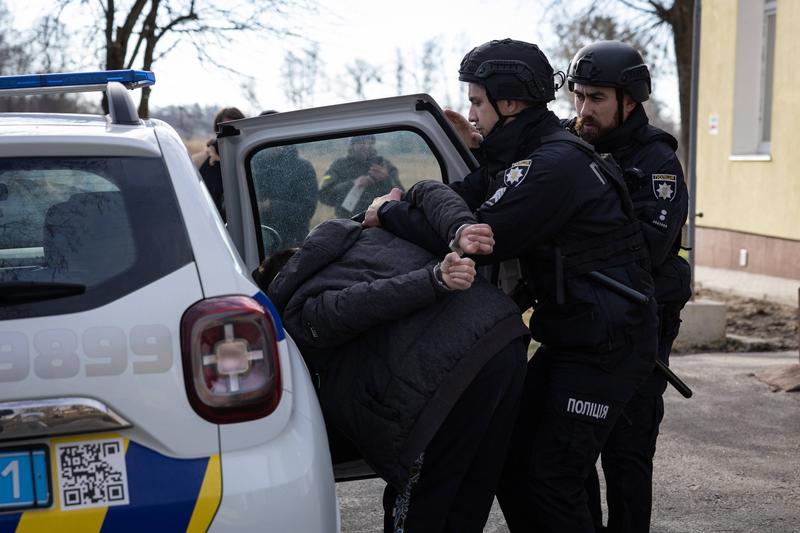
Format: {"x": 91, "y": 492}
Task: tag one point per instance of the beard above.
{"x": 590, "y": 130}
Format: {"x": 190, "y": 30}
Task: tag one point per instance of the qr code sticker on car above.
{"x": 92, "y": 474}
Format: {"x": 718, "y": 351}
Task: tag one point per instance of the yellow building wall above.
{"x": 760, "y": 197}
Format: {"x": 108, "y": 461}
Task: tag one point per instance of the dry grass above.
{"x": 195, "y": 144}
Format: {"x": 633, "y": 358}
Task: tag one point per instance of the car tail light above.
{"x": 230, "y": 359}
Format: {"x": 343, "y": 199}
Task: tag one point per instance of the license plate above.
{"x": 25, "y": 478}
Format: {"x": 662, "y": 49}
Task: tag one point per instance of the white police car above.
{"x": 145, "y": 383}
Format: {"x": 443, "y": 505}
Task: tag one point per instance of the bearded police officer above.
{"x": 610, "y": 81}
{"x": 564, "y": 213}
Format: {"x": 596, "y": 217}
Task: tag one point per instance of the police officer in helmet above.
{"x": 564, "y": 213}
{"x": 610, "y": 81}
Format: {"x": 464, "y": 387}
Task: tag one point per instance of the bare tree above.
{"x": 361, "y": 74}
{"x": 300, "y": 72}
{"x": 662, "y": 26}
{"x": 24, "y": 54}
{"x": 399, "y": 71}
{"x": 140, "y": 32}
{"x": 430, "y": 64}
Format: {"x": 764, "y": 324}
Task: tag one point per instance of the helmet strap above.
{"x": 620, "y": 97}
{"x": 501, "y": 118}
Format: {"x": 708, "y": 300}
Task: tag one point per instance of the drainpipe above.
{"x": 692, "y": 158}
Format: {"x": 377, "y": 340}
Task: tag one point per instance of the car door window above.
{"x": 294, "y": 187}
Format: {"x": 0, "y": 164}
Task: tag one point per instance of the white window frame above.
{"x": 753, "y": 80}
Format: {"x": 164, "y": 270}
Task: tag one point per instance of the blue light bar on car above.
{"x": 131, "y": 79}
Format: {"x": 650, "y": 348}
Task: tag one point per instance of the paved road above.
{"x": 728, "y": 459}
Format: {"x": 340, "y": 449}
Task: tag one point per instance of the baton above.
{"x": 673, "y": 379}
{"x": 638, "y": 297}
{"x": 619, "y": 288}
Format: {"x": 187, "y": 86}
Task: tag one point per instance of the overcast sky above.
{"x": 346, "y": 30}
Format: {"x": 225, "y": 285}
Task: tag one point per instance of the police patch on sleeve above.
{"x": 664, "y": 186}
{"x": 516, "y": 174}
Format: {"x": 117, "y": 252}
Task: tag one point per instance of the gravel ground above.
{"x": 728, "y": 459}
{"x": 752, "y": 325}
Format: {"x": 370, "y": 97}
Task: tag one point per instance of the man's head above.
{"x": 609, "y": 79}
{"x": 484, "y": 115}
{"x": 270, "y": 267}
{"x": 598, "y": 110}
{"x": 504, "y": 78}
{"x": 362, "y": 146}
{"x": 227, "y": 114}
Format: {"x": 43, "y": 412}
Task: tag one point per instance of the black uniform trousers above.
{"x": 570, "y": 403}
{"x": 627, "y": 457}
{"x": 463, "y": 462}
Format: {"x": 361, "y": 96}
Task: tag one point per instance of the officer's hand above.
{"x": 468, "y": 132}
{"x": 458, "y": 273}
{"x": 371, "y": 216}
{"x": 476, "y": 239}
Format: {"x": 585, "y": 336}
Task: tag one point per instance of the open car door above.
{"x": 285, "y": 173}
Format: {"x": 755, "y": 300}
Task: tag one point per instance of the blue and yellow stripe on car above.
{"x": 165, "y": 494}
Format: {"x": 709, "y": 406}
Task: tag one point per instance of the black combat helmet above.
{"x": 509, "y": 70}
{"x": 611, "y": 64}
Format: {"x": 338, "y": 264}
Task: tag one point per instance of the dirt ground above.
{"x": 765, "y": 326}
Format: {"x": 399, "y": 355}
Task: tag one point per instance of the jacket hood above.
{"x": 324, "y": 245}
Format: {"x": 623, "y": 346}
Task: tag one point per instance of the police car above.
{"x": 145, "y": 382}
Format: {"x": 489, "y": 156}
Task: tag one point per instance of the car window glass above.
{"x": 295, "y": 187}
{"x": 102, "y": 224}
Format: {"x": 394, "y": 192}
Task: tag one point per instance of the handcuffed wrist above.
{"x": 454, "y": 241}
{"x": 438, "y": 275}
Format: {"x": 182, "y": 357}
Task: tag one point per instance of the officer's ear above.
{"x": 628, "y": 105}
{"x": 511, "y": 107}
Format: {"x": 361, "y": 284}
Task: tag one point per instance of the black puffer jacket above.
{"x": 395, "y": 349}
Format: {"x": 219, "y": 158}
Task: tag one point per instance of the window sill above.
{"x": 750, "y": 157}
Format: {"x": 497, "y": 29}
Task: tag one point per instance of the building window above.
{"x": 755, "y": 59}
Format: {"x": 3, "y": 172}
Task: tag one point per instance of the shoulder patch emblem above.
{"x": 516, "y": 174}
{"x": 664, "y": 186}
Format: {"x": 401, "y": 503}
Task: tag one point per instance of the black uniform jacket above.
{"x": 394, "y": 348}
{"x": 538, "y": 196}
{"x": 657, "y": 187}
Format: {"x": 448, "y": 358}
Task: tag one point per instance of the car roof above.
{"x": 56, "y": 134}
{"x": 42, "y": 119}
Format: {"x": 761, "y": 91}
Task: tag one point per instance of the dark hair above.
{"x": 369, "y": 138}
{"x": 270, "y": 267}
{"x": 225, "y": 114}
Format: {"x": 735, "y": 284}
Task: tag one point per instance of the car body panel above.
{"x": 147, "y": 382}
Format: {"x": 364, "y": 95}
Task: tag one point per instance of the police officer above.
{"x": 610, "y": 81}
{"x": 565, "y": 214}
